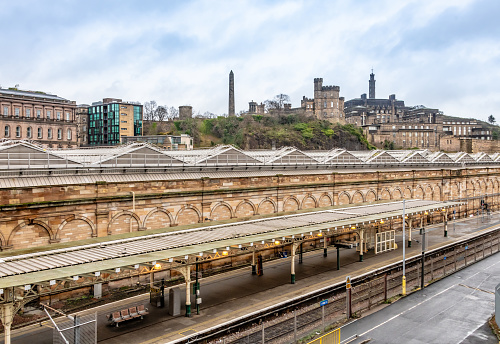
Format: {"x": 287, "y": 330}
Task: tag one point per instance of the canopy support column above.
{"x": 295, "y": 245}
{"x": 7, "y": 310}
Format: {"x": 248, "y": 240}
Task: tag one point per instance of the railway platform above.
{"x": 238, "y": 293}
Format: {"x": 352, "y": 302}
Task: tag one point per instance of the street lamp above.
{"x": 445, "y": 222}
{"x": 404, "y": 253}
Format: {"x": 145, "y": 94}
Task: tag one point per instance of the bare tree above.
{"x": 149, "y": 110}
{"x": 277, "y": 103}
{"x": 161, "y": 113}
{"x": 173, "y": 112}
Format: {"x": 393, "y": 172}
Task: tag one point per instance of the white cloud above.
{"x": 178, "y": 53}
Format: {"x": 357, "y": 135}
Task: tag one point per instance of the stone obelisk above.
{"x": 231, "y": 94}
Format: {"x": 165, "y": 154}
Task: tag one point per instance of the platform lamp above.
{"x": 445, "y": 214}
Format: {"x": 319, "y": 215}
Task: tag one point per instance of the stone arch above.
{"x": 291, "y": 203}
{"x": 266, "y": 206}
{"x": 188, "y": 215}
{"x": 245, "y": 209}
{"x": 325, "y": 200}
{"x": 407, "y": 193}
{"x": 436, "y": 193}
{"x": 385, "y": 194}
{"x": 124, "y": 222}
{"x": 79, "y": 231}
{"x": 397, "y": 193}
{"x": 495, "y": 186}
{"x": 344, "y": 198}
{"x": 370, "y": 196}
{"x": 308, "y": 202}
{"x": 158, "y": 218}
{"x": 428, "y": 193}
{"x": 221, "y": 211}
{"x": 419, "y": 192}
{"x": 357, "y": 197}
{"x": 30, "y": 233}
{"x": 482, "y": 186}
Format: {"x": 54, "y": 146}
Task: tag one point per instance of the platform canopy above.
{"x": 203, "y": 243}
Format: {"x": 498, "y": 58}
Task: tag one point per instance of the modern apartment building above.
{"x": 111, "y": 119}
{"x": 37, "y": 116}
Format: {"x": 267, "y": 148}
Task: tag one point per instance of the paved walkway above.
{"x": 238, "y": 293}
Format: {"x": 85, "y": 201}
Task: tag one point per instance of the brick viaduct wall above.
{"x": 35, "y": 216}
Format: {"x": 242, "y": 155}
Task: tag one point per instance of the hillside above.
{"x": 262, "y": 131}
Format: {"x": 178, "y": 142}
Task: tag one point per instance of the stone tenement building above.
{"x": 102, "y": 201}
{"x": 36, "y": 116}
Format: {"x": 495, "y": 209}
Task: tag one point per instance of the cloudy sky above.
{"x": 438, "y": 53}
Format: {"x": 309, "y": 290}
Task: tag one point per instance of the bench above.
{"x": 116, "y": 318}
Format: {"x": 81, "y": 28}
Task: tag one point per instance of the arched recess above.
{"x": 75, "y": 227}
{"x": 221, "y": 211}
{"x": 245, "y": 209}
{"x": 385, "y": 194}
{"x": 436, "y": 193}
{"x": 124, "y": 222}
{"x": 30, "y": 233}
{"x": 344, "y": 198}
{"x": 495, "y": 186}
{"x": 325, "y": 200}
{"x": 419, "y": 192}
{"x": 397, "y": 194}
{"x": 357, "y": 197}
{"x": 158, "y": 218}
{"x": 489, "y": 186}
{"x": 308, "y": 202}
{"x": 454, "y": 189}
{"x": 3, "y": 241}
{"x": 291, "y": 204}
{"x": 188, "y": 215}
{"x": 371, "y": 196}
{"x": 407, "y": 193}
{"x": 266, "y": 206}
{"x": 428, "y": 193}
{"x": 482, "y": 186}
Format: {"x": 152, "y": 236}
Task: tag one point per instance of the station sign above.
{"x": 323, "y": 303}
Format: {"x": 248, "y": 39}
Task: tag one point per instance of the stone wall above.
{"x": 35, "y": 216}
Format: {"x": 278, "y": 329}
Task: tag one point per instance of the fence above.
{"x": 370, "y": 291}
{"x": 81, "y": 330}
{"x": 329, "y": 338}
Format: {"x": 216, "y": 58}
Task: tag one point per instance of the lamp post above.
{"x": 422, "y": 232}
{"x": 403, "y": 284}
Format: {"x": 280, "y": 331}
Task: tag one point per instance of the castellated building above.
{"x": 326, "y": 104}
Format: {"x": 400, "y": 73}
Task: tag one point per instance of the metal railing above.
{"x": 329, "y": 338}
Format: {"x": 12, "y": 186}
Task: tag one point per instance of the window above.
{"x": 49, "y": 113}
{"x": 28, "y": 132}
{"x": 68, "y": 134}
{"x": 28, "y": 113}
{"x": 49, "y": 133}
{"x": 38, "y": 113}
{"x": 324, "y": 104}
{"x": 123, "y": 121}
{"x": 5, "y": 111}
{"x": 40, "y": 133}
{"x": 59, "y": 134}
{"x": 17, "y": 111}
{"x": 67, "y": 116}
{"x": 84, "y": 128}
{"x": 58, "y": 115}
{"x": 18, "y": 131}
{"x": 123, "y": 128}
{"x": 7, "y": 131}
{"x": 123, "y": 114}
